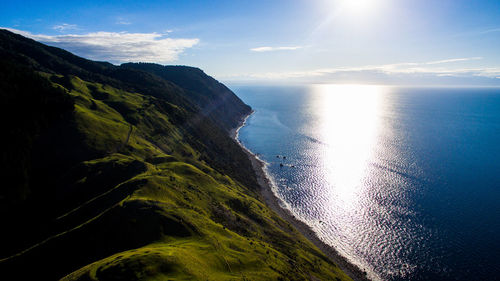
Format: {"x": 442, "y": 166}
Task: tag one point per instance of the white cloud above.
{"x": 406, "y": 69}
{"x": 453, "y": 60}
{"x": 64, "y": 27}
{"x": 122, "y": 21}
{"x": 118, "y": 47}
{"x": 270, "y": 49}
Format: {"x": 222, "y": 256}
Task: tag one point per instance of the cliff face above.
{"x": 128, "y": 172}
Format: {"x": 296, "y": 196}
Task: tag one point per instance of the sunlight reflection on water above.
{"x": 351, "y": 199}
{"x": 381, "y": 172}
{"x": 362, "y": 201}
{"x": 348, "y": 124}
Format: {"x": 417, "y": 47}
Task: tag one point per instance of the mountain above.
{"x": 128, "y": 173}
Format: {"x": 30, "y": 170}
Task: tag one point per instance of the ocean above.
{"x": 403, "y": 182}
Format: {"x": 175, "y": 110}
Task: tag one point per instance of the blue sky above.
{"x": 324, "y": 41}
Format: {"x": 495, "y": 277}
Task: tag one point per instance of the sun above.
{"x": 357, "y": 10}
{"x": 357, "y": 7}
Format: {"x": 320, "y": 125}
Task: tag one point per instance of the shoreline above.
{"x": 273, "y": 202}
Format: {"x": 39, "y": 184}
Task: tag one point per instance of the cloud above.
{"x": 64, "y": 27}
{"x": 118, "y": 47}
{"x": 490, "y": 31}
{"x": 406, "y": 69}
{"x": 122, "y": 21}
{"x": 453, "y": 60}
{"x": 271, "y": 49}
{"x": 477, "y": 32}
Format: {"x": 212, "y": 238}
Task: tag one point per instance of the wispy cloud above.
{"x": 65, "y": 27}
{"x": 439, "y": 68}
{"x": 118, "y": 47}
{"x": 479, "y": 32}
{"x": 490, "y": 30}
{"x": 271, "y": 49}
{"x": 454, "y": 60}
{"x": 122, "y": 21}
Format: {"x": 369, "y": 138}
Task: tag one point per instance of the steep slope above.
{"x": 213, "y": 98}
{"x": 111, "y": 178}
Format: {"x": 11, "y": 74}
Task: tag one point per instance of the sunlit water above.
{"x": 403, "y": 182}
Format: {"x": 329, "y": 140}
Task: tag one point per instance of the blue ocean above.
{"x": 403, "y": 182}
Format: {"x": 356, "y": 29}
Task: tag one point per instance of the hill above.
{"x": 128, "y": 173}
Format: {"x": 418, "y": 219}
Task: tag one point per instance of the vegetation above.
{"x": 128, "y": 173}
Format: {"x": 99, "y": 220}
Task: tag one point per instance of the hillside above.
{"x": 128, "y": 173}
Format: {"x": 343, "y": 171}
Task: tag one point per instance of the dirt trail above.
{"x": 126, "y": 140}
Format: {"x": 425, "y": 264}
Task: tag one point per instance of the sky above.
{"x": 406, "y": 42}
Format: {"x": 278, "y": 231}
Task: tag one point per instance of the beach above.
{"x": 273, "y": 202}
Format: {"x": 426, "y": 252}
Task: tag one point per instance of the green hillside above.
{"x": 128, "y": 173}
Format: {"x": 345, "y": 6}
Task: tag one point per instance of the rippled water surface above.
{"x": 405, "y": 182}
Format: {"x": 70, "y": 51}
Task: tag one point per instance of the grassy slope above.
{"x": 219, "y": 232}
{"x": 174, "y": 218}
{"x": 213, "y": 98}
{"x": 125, "y": 177}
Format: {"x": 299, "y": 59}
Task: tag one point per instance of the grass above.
{"x": 152, "y": 208}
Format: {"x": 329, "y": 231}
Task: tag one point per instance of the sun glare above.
{"x": 357, "y": 10}
{"x": 349, "y": 126}
{"x": 357, "y": 7}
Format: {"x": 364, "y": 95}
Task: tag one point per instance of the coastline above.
{"x": 273, "y": 202}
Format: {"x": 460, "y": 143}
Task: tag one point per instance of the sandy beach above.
{"x": 274, "y": 203}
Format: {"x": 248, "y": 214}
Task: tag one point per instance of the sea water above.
{"x": 403, "y": 182}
